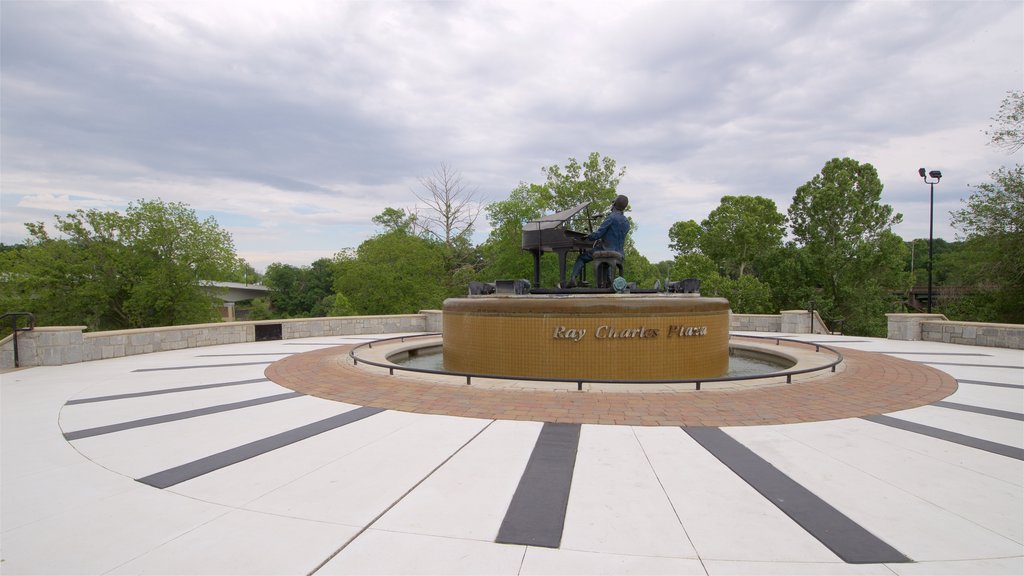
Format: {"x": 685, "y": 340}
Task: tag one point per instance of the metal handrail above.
{"x": 579, "y": 381}
{"x": 14, "y": 329}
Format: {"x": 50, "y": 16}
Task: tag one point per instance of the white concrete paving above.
{"x": 399, "y": 493}
{"x": 724, "y": 517}
{"x": 467, "y": 498}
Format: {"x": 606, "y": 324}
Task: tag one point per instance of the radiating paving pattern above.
{"x": 192, "y": 462}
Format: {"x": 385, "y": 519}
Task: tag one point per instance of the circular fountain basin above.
{"x": 595, "y": 336}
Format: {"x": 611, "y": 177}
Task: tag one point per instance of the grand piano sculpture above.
{"x": 549, "y": 234}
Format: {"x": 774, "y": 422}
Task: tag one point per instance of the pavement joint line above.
{"x": 176, "y": 416}
{"x": 202, "y": 366}
{"x": 955, "y": 437}
{"x": 975, "y": 365}
{"x": 163, "y": 391}
{"x": 244, "y": 354}
{"x": 397, "y": 500}
{"x": 981, "y": 410}
{"x": 997, "y": 384}
{"x": 939, "y": 353}
{"x": 213, "y": 462}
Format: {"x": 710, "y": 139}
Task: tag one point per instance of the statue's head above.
{"x": 620, "y": 203}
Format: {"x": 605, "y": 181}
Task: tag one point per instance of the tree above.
{"x": 392, "y": 219}
{"x": 683, "y": 237}
{"x": 992, "y": 221}
{"x": 299, "y": 292}
{"x": 741, "y": 230}
{"x": 594, "y": 181}
{"x": 839, "y": 220}
{"x": 746, "y": 295}
{"x": 502, "y": 252}
{"x": 392, "y": 273}
{"x": 146, "y": 267}
{"x": 1008, "y": 131}
{"x": 450, "y": 208}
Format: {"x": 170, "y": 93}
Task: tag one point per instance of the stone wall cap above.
{"x": 914, "y": 315}
{"x": 982, "y": 324}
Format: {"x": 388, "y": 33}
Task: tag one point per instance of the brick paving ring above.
{"x": 866, "y": 383}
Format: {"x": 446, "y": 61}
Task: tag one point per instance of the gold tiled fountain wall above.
{"x": 605, "y": 337}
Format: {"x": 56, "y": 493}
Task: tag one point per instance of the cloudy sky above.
{"x": 294, "y": 123}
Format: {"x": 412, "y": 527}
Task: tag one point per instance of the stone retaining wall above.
{"x": 789, "y": 322}
{"x": 975, "y": 334}
{"x": 755, "y": 323}
{"x": 937, "y": 328}
{"x": 58, "y": 345}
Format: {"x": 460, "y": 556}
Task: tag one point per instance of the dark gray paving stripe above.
{"x": 937, "y": 354}
{"x": 202, "y": 366}
{"x": 939, "y": 433}
{"x": 536, "y": 515}
{"x": 347, "y": 340}
{"x": 974, "y": 365}
{"x": 163, "y": 391}
{"x": 980, "y": 410}
{"x": 983, "y": 383}
{"x": 324, "y": 344}
{"x": 196, "y": 468}
{"x": 164, "y": 418}
{"x": 847, "y": 539}
{"x": 247, "y": 354}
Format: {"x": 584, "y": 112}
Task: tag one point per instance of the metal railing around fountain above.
{"x": 579, "y": 381}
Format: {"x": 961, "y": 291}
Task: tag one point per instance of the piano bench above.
{"x": 607, "y": 265}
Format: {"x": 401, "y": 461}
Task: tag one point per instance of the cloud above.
{"x": 297, "y": 122}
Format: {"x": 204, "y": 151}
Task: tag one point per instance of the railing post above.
{"x": 14, "y": 337}
{"x": 14, "y": 330}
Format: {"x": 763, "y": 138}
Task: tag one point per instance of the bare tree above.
{"x": 1008, "y": 131}
{"x": 450, "y": 208}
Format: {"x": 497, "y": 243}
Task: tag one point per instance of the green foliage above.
{"x": 110, "y": 270}
{"x": 738, "y": 233}
{"x": 638, "y": 269}
{"x": 502, "y": 253}
{"x": 993, "y": 222}
{"x": 243, "y": 273}
{"x": 395, "y": 220}
{"x": 338, "y": 305}
{"x": 257, "y": 309}
{"x": 746, "y": 294}
{"x": 299, "y": 292}
{"x": 593, "y": 181}
{"x": 684, "y": 237}
{"x": 844, "y": 229}
{"x": 392, "y": 273}
{"x": 788, "y": 272}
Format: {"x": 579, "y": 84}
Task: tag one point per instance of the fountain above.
{"x": 652, "y": 336}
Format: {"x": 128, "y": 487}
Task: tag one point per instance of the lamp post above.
{"x": 936, "y": 176}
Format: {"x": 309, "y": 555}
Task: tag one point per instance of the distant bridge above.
{"x": 237, "y": 291}
{"x": 917, "y": 297}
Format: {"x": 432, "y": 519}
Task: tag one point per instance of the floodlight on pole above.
{"x": 936, "y": 176}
